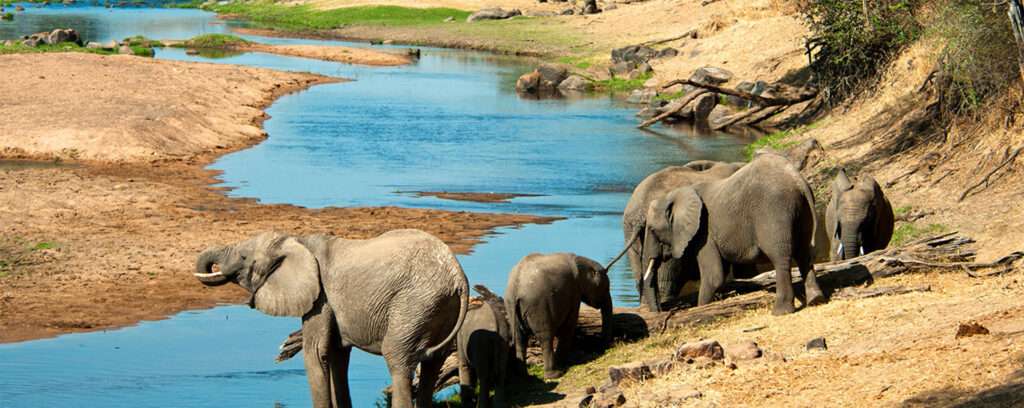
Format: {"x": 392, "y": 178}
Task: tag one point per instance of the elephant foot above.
{"x": 553, "y": 374}
{"x": 815, "y": 298}
{"x": 783, "y": 309}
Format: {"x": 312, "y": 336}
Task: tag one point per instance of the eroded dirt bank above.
{"x": 112, "y": 240}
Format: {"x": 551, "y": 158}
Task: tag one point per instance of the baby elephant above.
{"x": 483, "y": 347}
{"x": 543, "y": 298}
{"x": 859, "y": 218}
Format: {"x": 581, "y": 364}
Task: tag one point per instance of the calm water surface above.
{"x": 448, "y": 123}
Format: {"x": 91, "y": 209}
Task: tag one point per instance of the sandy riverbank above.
{"x": 112, "y": 240}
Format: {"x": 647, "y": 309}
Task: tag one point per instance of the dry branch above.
{"x": 680, "y": 104}
{"x": 736, "y": 117}
{"x": 776, "y": 95}
{"x": 864, "y": 293}
{"x": 1013, "y": 155}
{"x": 690, "y": 33}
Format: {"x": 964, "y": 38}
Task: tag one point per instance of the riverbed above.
{"x": 450, "y": 122}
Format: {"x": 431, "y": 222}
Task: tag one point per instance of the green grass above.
{"x": 8, "y": 16}
{"x": 779, "y": 140}
{"x": 214, "y": 41}
{"x": 621, "y": 84}
{"x": 909, "y": 231}
{"x": 64, "y": 47}
{"x": 270, "y": 14}
{"x": 578, "y": 62}
{"x": 141, "y": 41}
{"x": 44, "y": 245}
{"x": 190, "y": 4}
{"x": 669, "y": 96}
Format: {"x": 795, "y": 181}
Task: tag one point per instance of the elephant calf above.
{"x": 483, "y": 346}
{"x": 859, "y": 217}
{"x": 543, "y": 298}
{"x": 402, "y": 295}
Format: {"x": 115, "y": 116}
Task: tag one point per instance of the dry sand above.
{"x": 112, "y": 240}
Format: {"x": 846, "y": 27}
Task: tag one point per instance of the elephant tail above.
{"x": 463, "y": 289}
{"x": 805, "y": 189}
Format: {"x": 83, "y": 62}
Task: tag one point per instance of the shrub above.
{"x": 847, "y": 48}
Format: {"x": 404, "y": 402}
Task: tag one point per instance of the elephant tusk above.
{"x": 862, "y": 251}
{"x": 208, "y": 275}
{"x": 650, "y": 268}
{"x": 840, "y": 250}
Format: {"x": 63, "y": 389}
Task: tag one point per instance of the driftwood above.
{"x": 776, "y": 95}
{"x": 870, "y": 292}
{"x": 680, "y": 104}
{"x": 690, "y": 33}
{"x": 1010, "y": 159}
{"x": 736, "y": 117}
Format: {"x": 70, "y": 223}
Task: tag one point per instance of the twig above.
{"x": 984, "y": 180}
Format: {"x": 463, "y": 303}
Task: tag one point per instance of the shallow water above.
{"x": 450, "y": 122}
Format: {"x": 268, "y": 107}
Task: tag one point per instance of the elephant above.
{"x": 483, "y": 347}
{"x": 402, "y": 295}
{"x": 543, "y": 299}
{"x": 859, "y": 217}
{"x": 765, "y": 210}
{"x": 634, "y": 218}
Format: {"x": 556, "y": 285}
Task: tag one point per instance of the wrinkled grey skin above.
{"x": 483, "y": 348}
{"x": 634, "y": 220}
{"x": 543, "y": 299}
{"x": 859, "y": 217}
{"x": 764, "y": 210}
{"x": 401, "y": 295}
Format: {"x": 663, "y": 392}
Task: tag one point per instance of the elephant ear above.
{"x": 291, "y": 279}
{"x": 685, "y": 211}
{"x": 840, "y": 185}
{"x": 884, "y": 215}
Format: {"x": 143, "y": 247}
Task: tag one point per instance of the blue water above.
{"x": 450, "y": 122}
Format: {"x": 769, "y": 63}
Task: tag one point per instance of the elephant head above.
{"x": 596, "y": 291}
{"x": 672, "y": 223}
{"x": 280, "y": 273}
{"x": 859, "y": 216}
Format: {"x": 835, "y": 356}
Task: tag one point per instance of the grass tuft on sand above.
{"x": 63, "y": 47}
{"x": 304, "y": 17}
{"x": 215, "y": 41}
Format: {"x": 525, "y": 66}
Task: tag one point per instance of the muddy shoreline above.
{"x": 111, "y": 241}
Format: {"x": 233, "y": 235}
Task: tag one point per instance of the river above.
{"x": 450, "y": 122}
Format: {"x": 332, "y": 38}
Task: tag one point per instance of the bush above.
{"x": 980, "y": 57}
{"x": 847, "y": 48}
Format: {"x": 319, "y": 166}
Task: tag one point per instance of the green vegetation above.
{"x": 44, "y": 245}
{"x": 271, "y": 14}
{"x": 188, "y": 4}
{"x": 779, "y": 140}
{"x": 621, "y": 84}
{"x": 578, "y": 62}
{"x": 140, "y": 41}
{"x": 669, "y": 96}
{"x": 63, "y": 47}
{"x": 8, "y": 16}
{"x": 214, "y": 41}
{"x": 851, "y": 41}
{"x": 909, "y": 231}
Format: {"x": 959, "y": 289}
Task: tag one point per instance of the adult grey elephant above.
{"x": 859, "y": 217}
{"x": 483, "y": 347}
{"x": 543, "y": 299}
{"x": 763, "y": 210}
{"x": 634, "y": 219}
{"x": 402, "y": 295}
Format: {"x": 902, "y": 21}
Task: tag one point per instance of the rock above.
{"x": 542, "y": 13}
{"x": 675, "y": 395}
{"x": 701, "y": 349}
{"x": 817, "y": 344}
{"x": 611, "y": 6}
{"x": 702, "y": 108}
{"x": 667, "y": 53}
{"x": 590, "y": 7}
{"x": 744, "y": 350}
{"x": 529, "y": 82}
{"x": 93, "y": 45}
{"x": 609, "y": 400}
{"x": 712, "y": 75}
{"x": 590, "y": 390}
{"x": 449, "y": 19}
{"x": 638, "y": 371}
{"x": 387, "y": 42}
{"x": 125, "y": 50}
{"x": 575, "y": 83}
{"x": 643, "y": 69}
{"x": 110, "y": 45}
{"x": 641, "y": 96}
{"x": 31, "y": 42}
{"x": 586, "y": 401}
{"x": 19, "y": 8}
{"x": 191, "y": 51}
{"x": 647, "y": 113}
{"x": 620, "y": 69}
{"x": 970, "y": 329}
{"x": 551, "y": 76}
{"x": 413, "y": 52}
{"x": 567, "y": 12}
{"x": 495, "y": 13}
{"x": 634, "y": 53}
{"x": 717, "y": 114}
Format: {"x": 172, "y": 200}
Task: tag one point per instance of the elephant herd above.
{"x": 404, "y": 296}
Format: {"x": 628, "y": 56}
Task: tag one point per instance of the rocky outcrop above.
{"x": 548, "y": 79}
{"x": 575, "y": 83}
{"x": 496, "y": 13}
{"x": 58, "y": 36}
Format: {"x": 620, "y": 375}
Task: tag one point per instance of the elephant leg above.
{"x": 712, "y": 274}
{"x": 812, "y": 292}
{"x": 783, "y": 286}
{"x": 339, "y": 374}
{"x": 401, "y": 383}
{"x": 466, "y": 384}
{"x": 547, "y": 346}
{"x": 484, "y": 397}
{"x": 521, "y": 340}
{"x": 500, "y": 377}
{"x": 317, "y": 355}
{"x": 429, "y": 370}
{"x": 566, "y": 335}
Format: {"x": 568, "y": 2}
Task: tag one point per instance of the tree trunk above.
{"x": 1016, "y": 13}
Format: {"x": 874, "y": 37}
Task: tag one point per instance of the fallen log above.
{"x": 679, "y": 105}
{"x": 870, "y": 292}
{"x": 776, "y": 95}
{"x": 736, "y": 117}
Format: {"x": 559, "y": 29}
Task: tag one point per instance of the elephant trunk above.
{"x": 651, "y": 261}
{"x": 606, "y": 321}
{"x": 851, "y": 243}
{"x": 204, "y": 267}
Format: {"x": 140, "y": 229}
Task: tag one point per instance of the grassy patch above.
{"x": 214, "y": 41}
{"x": 621, "y": 84}
{"x": 271, "y": 14}
{"x": 141, "y": 41}
{"x": 909, "y": 231}
{"x": 63, "y": 47}
{"x": 669, "y": 96}
{"x": 904, "y": 210}
{"x": 44, "y": 245}
{"x": 578, "y": 62}
{"x": 779, "y": 140}
{"x": 8, "y": 16}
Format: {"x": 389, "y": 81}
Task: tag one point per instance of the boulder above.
{"x": 639, "y": 371}
{"x": 575, "y": 83}
{"x": 647, "y": 113}
{"x": 700, "y": 349}
{"x": 93, "y": 45}
{"x": 817, "y": 344}
{"x": 634, "y": 53}
{"x": 667, "y": 53}
{"x": 641, "y": 96}
{"x": 621, "y": 69}
{"x": 551, "y": 76}
{"x": 567, "y": 12}
{"x": 676, "y": 395}
{"x": 125, "y": 50}
{"x": 19, "y": 8}
{"x": 718, "y": 113}
{"x": 590, "y": 7}
{"x": 702, "y": 108}
{"x": 31, "y": 42}
{"x": 529, "y": 82}
{"x": 744, "y": 350}
{"x": 62, "y": 35}
{"x": 970, "y": 329}
{"x": 711, "y": 75}
{"x": 495, "y": 13}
